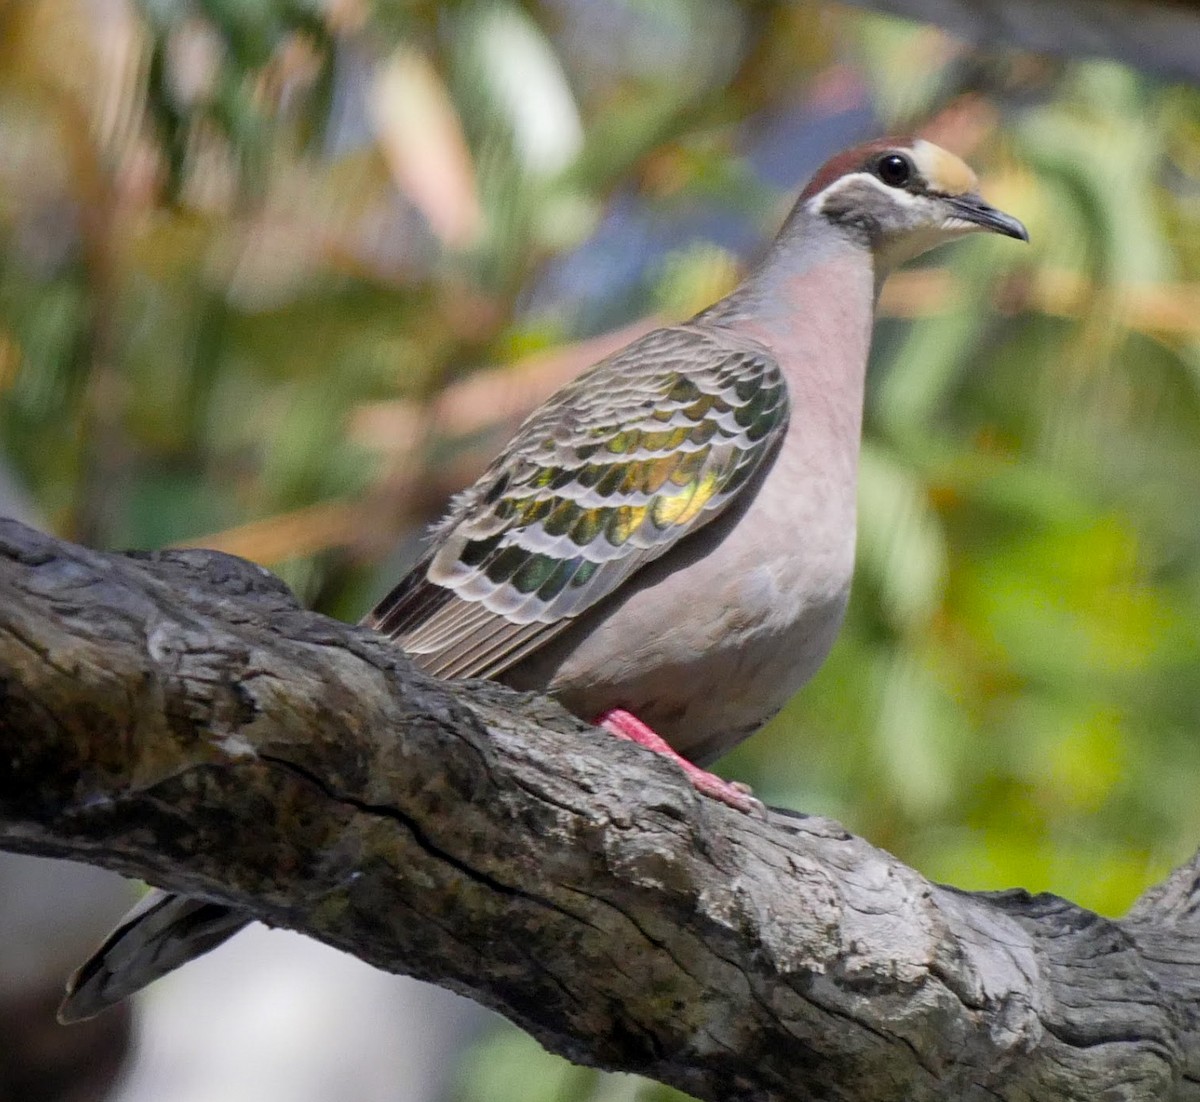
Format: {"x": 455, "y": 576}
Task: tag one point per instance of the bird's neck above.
{"x": 811, "y": 305}
{"x": 811, "y": 302}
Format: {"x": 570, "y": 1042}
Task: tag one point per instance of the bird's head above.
{"x": 901, "y": 197}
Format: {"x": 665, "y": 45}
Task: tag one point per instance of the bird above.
{"x": 666, "y": 544}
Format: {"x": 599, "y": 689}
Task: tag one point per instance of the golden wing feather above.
{"x": 615, "y": 469}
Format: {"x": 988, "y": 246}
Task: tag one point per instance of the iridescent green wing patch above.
{"x": 615, "y": 469}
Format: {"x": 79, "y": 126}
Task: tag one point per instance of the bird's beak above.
{"x": 972, "y": 208}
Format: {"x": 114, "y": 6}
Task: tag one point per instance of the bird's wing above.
{"x": 618, "y": 466}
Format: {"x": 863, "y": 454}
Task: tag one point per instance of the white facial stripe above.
{"x": 898, "y": 196}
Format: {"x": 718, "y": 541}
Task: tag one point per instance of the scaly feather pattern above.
{"x": 617, "y": 467}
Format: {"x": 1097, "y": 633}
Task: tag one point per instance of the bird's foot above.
{"x": 627, "y": 726}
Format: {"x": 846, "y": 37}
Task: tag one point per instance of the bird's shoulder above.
{"x": 613, "y": 470}
{"x": 680, "y": 390}
{"x": 640, "y": 426}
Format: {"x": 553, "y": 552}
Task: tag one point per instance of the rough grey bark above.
{"x": 176, "y": 716}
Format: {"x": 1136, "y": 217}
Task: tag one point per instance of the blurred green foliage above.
{"x": 246, "y": 247}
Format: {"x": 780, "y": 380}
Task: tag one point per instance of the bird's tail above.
{"x": 162, "y": 932}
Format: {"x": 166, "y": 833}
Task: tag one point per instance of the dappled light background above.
{"x": 278, "y": 276}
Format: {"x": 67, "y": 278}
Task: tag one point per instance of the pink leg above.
{"x": 627, "y": 726}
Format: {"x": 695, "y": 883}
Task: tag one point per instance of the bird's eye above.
{"x": 894, "y": 170}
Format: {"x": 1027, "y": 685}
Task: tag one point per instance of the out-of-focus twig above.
{"x": 475, "y": 415}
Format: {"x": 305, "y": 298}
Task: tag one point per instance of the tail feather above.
{"x": 162, "y": 932}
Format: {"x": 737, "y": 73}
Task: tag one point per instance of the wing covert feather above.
{"x": 618, "y": 466}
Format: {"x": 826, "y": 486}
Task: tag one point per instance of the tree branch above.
{"x": 177, "y": 717}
